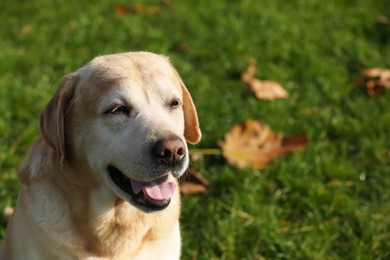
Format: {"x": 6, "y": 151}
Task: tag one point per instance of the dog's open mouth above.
{"x": 152, "y": 195}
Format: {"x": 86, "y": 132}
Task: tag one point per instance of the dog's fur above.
{"x": 116, "y": 111}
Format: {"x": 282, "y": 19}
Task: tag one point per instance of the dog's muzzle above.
{"x": 169, "y": 155}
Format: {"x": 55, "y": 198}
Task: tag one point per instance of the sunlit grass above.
{"x": 330, "y": 200}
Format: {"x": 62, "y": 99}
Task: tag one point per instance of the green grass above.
{"x": 329, "y": 201}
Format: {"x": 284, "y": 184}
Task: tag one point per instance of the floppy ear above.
{"x": 192, "y": 131}
{"x": 53, "y": 116}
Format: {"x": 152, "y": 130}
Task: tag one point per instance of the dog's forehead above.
{"x": 132, "y": 65}
{"x": 150, "y": 72}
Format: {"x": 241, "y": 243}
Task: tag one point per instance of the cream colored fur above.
{"x": 68, "y": 208}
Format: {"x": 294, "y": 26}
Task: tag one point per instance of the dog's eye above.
{"x": 119, "y": 109}
{"x": 175, "y": 103}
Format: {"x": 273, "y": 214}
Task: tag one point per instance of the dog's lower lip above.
{"x": 124, "y": 183}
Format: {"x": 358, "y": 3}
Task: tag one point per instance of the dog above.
{"x": 101, "y": 180}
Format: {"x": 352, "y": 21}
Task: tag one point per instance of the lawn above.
{"x": 329, "y": 201}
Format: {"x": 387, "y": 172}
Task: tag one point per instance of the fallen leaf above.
{"x": 375, "y": 80}
{"x": 382, "y": 19}
{"x": 193, "y": 183}
{"x": 26, "y": 29}
{"x": 249, "y": 73}
{"x": 263, "y": 89}
{"x": 266, "y": 89}
{"x": 253, "y": 144}
{"x": 293, "y": 143}
{"x": 166, "y": 2}
{"x": 137, "y": 8}
{"x": 180, "y": 47}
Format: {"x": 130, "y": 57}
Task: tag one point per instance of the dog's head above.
{"x": 127, "y": 117}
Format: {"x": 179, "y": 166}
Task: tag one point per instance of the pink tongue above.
{"x": 160, "y": 189}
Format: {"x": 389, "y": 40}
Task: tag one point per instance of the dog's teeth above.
{"x": 145, "y": 195}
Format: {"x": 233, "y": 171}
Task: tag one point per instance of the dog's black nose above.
{"x": 169, "y": 151}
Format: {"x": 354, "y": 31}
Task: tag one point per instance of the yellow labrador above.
{"x": 101, "y": 181}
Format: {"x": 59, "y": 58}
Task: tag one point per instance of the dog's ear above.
{"x": 192, "y": 131}
{"x": 53, "y": 116}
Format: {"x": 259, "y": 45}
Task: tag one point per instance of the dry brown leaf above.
{"x": 137, "y": 8}
{"x": 193, "y": 183}
{"x": 375, "y": 80}
{"x": 382, "y": 19}
{"x": 253, "y": 144}
{"x": 266, "y": 89}
{"x": 293, "y": 143}
{"x": 263, "y": 89}
{"x": 180, "y": 47}
{"x": 166, "y": 2}
{"x": 26, "y": 29}
{"x": 249, "y": 73}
